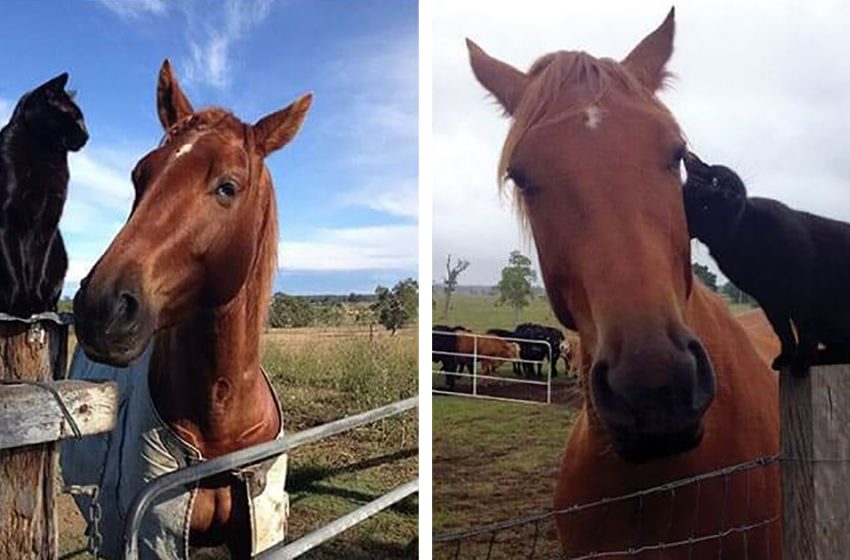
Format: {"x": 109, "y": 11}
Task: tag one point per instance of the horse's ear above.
{"x": 647, "y": 60}
{"x": 506, "y": 83}
{"x": 274, "y": 131}
{"x": 171, "y": 104}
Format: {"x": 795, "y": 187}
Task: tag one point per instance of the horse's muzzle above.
{"x": 112, "y": 324}
{"x": 651, "y": 398}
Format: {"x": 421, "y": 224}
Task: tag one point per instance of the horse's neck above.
{"x": 207, "y": 383}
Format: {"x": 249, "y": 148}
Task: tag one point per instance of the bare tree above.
{"x": 450, "y": 281}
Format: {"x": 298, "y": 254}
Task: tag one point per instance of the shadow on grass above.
{"x": 306, "y": 481}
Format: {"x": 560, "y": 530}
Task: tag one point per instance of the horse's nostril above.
{"x": 128, "y": 306}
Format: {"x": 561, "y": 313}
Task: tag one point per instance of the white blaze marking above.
{"x": 592, "y": 117}
{"x": 184, "y": 149}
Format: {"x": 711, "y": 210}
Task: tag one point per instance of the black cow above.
{"x": 537, "y": 352}
{"x": 795, "y": 264}
{"x": 443, "y": 348}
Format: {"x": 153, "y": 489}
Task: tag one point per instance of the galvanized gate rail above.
{"x": 475, "y": 376}
{"x": 255, "y": 454}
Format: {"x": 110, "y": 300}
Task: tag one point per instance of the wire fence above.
{"x": 456, "y": 361}
{"x": 651, "y": 523}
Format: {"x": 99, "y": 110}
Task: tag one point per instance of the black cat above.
{"x": 34, "y": 145}
{"x": 795, "y": 264}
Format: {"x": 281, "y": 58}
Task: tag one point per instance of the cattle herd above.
{"x": 528, "y": 347}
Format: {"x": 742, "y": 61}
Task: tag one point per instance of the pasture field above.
{"x": 323, "y": 374}
{"x": 481, "y": 312}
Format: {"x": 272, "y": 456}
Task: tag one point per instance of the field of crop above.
{"x": 323, "y": 374}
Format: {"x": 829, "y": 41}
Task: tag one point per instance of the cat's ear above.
{"x": 57, "y": 84}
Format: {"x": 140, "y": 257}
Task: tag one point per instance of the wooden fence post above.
{"x": 28, "y": 474}
{"x": 815, "y": 443}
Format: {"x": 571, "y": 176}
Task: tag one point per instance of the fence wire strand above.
{"x": 455, "y": 539}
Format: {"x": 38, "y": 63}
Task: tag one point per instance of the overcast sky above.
{"x": 763, "y": 87}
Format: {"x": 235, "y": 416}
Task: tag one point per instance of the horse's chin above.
{"x": 642, "y": 448}
{"x": 113, "y": 352}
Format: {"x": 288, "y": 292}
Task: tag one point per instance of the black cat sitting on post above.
{"x": 795, "y": 264}
{"x": 34, "y": 145}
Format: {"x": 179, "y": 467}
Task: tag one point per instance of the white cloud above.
{"x": 98, "y": 183}
{"x": 134, "y": 9}
{"x": 396, "y": 198}
{"x": 391, "y": 247}
{"x": 762, "y": 90}
{"x": 211, "y": 32}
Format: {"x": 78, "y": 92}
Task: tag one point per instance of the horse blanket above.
{"x": 141, "y": 448}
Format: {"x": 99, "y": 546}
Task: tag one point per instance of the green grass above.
{"x": 495, "y": 461}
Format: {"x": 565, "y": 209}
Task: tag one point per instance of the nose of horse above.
{"x": 651, "y": 394}
{"x": 109, "y": 321}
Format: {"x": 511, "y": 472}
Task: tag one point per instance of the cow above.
{"x": 538, "y": 351}
{"x": 488, "y": 352}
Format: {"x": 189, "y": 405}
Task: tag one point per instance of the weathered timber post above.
{"x": 30, "y": 352}
{"x": 815, "y": 442}
{"x": 32, "y": 419}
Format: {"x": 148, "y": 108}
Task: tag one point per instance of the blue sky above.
{"x": 346, "y": 186}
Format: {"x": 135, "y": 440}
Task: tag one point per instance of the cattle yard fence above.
{"x": 477, "y": 389}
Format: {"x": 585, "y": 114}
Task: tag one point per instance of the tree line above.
{"x": 393, "y": 308}
{"x": 516, "y": 284}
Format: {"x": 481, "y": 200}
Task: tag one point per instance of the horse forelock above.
{"x": 563, "y": 84}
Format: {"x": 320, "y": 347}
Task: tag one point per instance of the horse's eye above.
{"x": 226, "y": 192}
{"x": 521, "y": 180}
{"x": 675, "y": 163}
{"x": 715, "y": 182}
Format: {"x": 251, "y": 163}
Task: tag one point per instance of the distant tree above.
{"x": 736, "y": 295}
{"x": 330, "y": 314}
{"x": 515, "y": 286}
{"x": 451, "y": 280}
{"x": 397, "y": 307}
{"x": 703, "y": 273}
{"x": 290, "y": 311}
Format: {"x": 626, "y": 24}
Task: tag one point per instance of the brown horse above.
{"x": 191, "y": 273}
{"x": 672, "y": 385}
